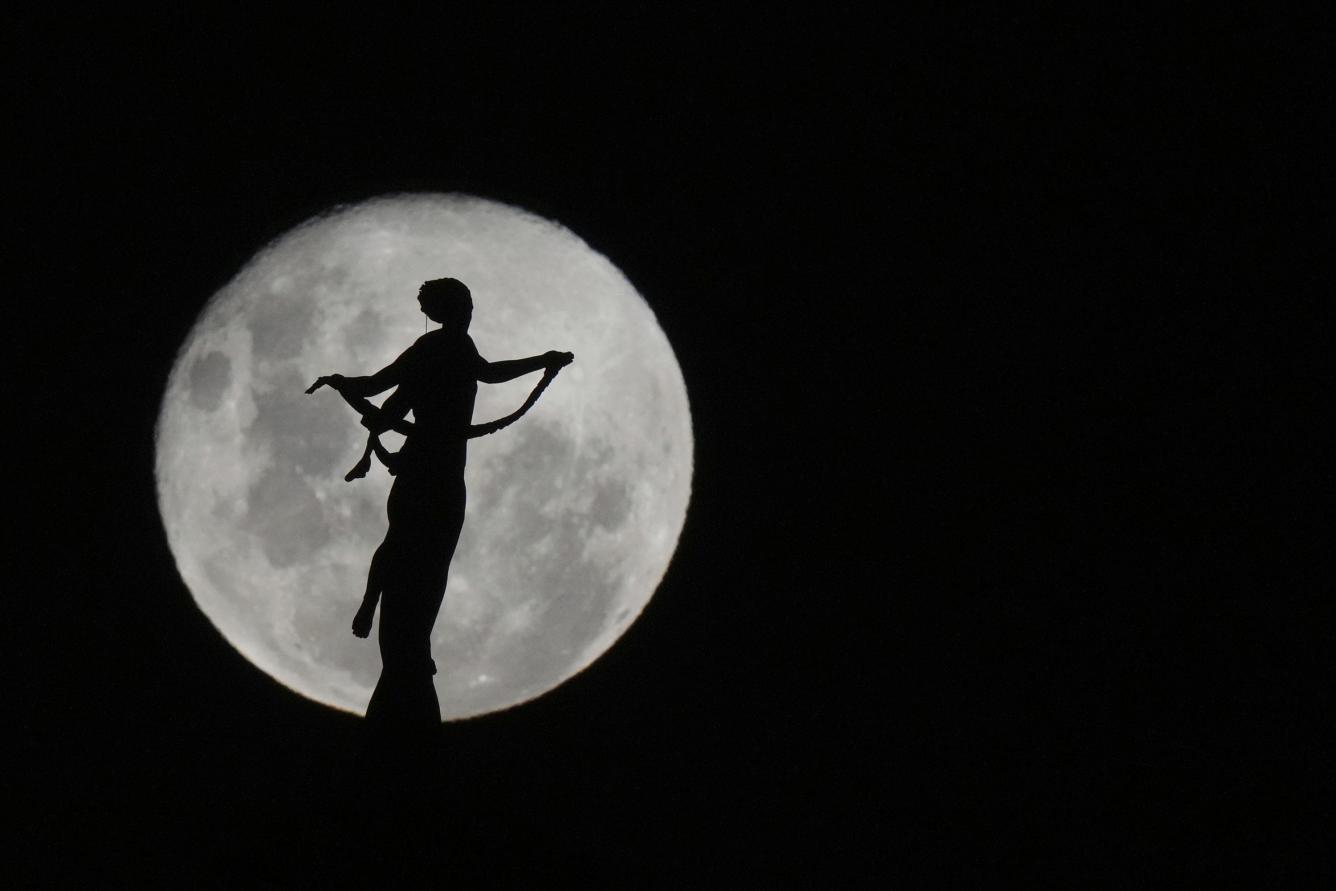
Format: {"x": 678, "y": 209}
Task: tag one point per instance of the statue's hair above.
{"x": 447, "y": 289}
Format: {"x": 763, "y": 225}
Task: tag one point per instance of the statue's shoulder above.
{"x": 440, "y": 346}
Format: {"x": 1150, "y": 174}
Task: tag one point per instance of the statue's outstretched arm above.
{"x": 554, "y": 364}
{"x": 500, "y": 372}
{"x": 355, "y": 391}
{"x": 366, "y": 385}
{"x": 369, "y": 385}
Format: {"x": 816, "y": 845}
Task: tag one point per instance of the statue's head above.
{"x": 447, "y": 301}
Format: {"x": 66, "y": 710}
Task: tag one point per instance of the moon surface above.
{"x": 573, "y": 512}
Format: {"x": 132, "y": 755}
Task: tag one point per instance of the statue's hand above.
{"x": 553, "y": 359}
{"x": 329, "y": 380}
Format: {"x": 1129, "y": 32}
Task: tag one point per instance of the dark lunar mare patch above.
{"x": 612, "y": 504}
{"x": 365, "y": 331}
{"x": 309, "y": 433}
{"x": 209, "y": 377}
{"x": 280, "y": 324}
{"x": 286, "y": 517}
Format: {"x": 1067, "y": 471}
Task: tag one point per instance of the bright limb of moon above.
{"x": 573, "y": 512}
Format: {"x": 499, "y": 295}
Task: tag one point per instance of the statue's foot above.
{"x": 362, "y": 623}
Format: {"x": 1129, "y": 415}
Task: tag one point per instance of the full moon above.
{"x": 573, "y": 512}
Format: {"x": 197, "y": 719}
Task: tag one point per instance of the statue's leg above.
{"x": 405, "y": 697}
{"x": 374, "y": 583}
{"x": 424, "y": 527}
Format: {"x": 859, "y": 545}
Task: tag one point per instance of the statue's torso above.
{"x": 439, "y": 381}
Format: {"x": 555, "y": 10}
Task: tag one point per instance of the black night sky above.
{"x": 1001, "y": 341}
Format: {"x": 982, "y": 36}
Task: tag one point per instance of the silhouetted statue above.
{"x": 437, "y": 378}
